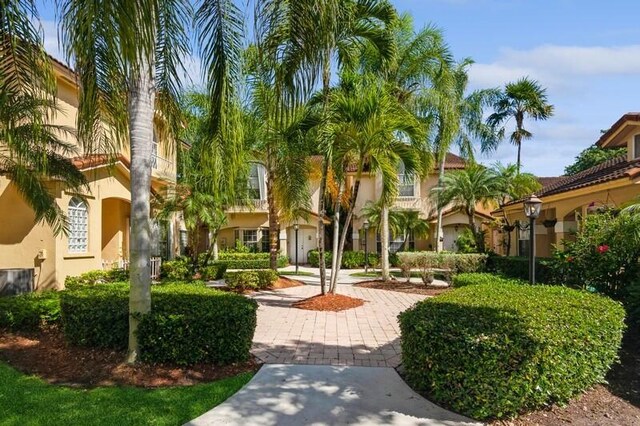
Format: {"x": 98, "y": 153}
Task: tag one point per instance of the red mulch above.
{"x": 404, "y": 287}
{"x": 617, "y": 403}
{"x": 328, "y": 302}
{"x": 47, "y": 354}
{"x": 284, "y": 282}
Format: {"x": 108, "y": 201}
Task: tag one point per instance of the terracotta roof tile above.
{"x": 96, "y": 160}
{"x": 630, "y": 116}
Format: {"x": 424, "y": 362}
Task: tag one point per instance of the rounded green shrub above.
{"x": 493, "y": 351}
{"x": 97, "y": 277}
{"x": 29, "y": 311}
{"x": 188, "y": 323}
{"x": 178, "y": 270}
{"x": 476, "y": 278}
{"x": 242, "y": 280}
{"x": 213, "y": 271}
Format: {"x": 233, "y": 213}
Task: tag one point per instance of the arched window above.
{"x": 78, "y": 226}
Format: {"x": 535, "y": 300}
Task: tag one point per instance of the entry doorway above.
{"x": 307, "y": 241}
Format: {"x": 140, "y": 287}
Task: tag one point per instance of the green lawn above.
{"x": 299, "y": 273}
{"x": 26, "y": 400}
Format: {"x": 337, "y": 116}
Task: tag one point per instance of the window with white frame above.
{"x": 636, "y": 146}
{"x": 254, "y": 182}
{"x": 78, "y": 226}
{"x": 406, "y": 183}
{"x": 250, "y": 238}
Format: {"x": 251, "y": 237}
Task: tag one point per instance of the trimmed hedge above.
{"x": 213, "y": 271}
{"x": 479, "y": 278}
{"x": 456, "y": 262}
{"x": 177, "y": 269}
{"x": 188, "y": 323}
{"x": 350, "y": 259}
{"x": 29, "y": 311}
{"x": 250, "y": 280}
{"x": 229, "y": 255}
{"x": 97, "y": 277}
{"x": 518, "y": 267}
{"x": 492, "y": 351}
{"x": 254, "y": 264}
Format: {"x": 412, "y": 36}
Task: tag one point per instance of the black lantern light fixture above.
{"x": 365, "y": 226}
{"x": 532, "y": 207}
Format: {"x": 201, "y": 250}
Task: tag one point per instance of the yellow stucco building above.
{"x": 568, "y": 199}
{"x": 99, "y": 234}
{"x": 251, "y": 225}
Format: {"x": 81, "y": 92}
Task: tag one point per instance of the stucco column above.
{"x": 355, "y": 236}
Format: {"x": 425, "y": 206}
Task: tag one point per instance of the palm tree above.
{"x": 32, "y": 153}
{"x": 512, "y": 185}
{"x": 373, "y": 213}
{"x": 315, "y": 37}
{"x": 128, "y": 56}
{"x": 466, "y": 189}
{"x": 411, "y": 223}
{"x": 369, "y": 127}
{"x": 458, "y": 119}
{"x": 521, "y": 99}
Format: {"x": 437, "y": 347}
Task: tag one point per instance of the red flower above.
{"x": 570, "y": 259}
{"x": 603, "y": 249}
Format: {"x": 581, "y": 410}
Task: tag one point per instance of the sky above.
{"x": 586, "y": 53}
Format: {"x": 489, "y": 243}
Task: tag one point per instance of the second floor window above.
{"x": 256, "y": 180}
{"x": 406, "y": 183}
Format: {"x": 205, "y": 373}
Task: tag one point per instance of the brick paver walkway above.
{"x": 366, "y": 336}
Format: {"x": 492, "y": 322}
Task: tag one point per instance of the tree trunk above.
{"x": 336, "y": 240}
{"x": 215, "y": 251}
{"x": 141, "y": 108}
{"x": 519, "y": 123}
{"x": 274, "y": 231}
{"x": 384, "y": 240}
{"x": 326, "y": 81}
{"x": 439, "y": 230}
{"x": 340, "y": 248}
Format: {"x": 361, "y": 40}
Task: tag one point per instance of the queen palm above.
{"x": 467, "y": 188}
{"x": 411, "y": 224}
{"x": 128, "y": 56}
{"x": 32, "y": 154}
{"x": 315, "y": 37}
{"x": 369, "y": 127}
{"x": 522, "y": 99}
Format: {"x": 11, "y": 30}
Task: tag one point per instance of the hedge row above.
{"x": 188, "y": 323}
{"x": 250, "y": 280}
{"x": 229, "y": 255}
{"x": 463, "y": 280}
{"x": 350, "y": 259}
{"x": 254, "y": 264}
{"x": 29, "y": 311}
{"x": 492, "y": 351}
{"x": 518, "y": 267}
{"x": 455, "y": 262}
{"x": 97, "y": 277}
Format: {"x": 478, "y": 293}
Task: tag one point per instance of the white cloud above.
{"x": 557, "y": 67}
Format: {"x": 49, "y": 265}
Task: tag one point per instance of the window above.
{"x": 250, "y": 238}
{"x": 184, "y": 242}
{"x": 78, "y": 226}
{"x": 254, "y": 182}
{"x": 523, "y": 242}
{"x": 406, "y": 183}
{"x": 266, "y": 246}
{"x": 636, "y": 146}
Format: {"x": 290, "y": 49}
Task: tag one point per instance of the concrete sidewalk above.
{"x": 300, "y": 395}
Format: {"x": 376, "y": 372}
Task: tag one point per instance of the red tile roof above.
{"x": 613, "y": 169}
{"x": 97, "y": 160}
{"x": 630, "y": 116}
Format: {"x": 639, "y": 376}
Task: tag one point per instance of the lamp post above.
{"x": 532, "y": 206}
{"x": 295, "y": 227}
{"x": 365, "y": 226}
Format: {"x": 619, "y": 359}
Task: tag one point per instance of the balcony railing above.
{"x": 154, "y": 263}
{"x": 251, "y": 205}
{"x": 162, "y": 166}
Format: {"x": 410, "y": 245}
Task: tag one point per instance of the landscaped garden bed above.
{"x": 329, "y": 302}
{"x": 403, "y": 287}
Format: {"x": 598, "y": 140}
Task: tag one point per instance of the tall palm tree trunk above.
{"x": 439, "y": 230}
{"x": 326, "y": 81}
{"x": 335, "y": 265}
{"x": 274, "y": 229}
{"x": 519, "y": 125}
{"x": 141, "y": 108}
{"x": 384, "y": 240}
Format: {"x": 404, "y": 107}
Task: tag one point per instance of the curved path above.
{"x": 296, "y": 395}
{"x": 329, "y": 368}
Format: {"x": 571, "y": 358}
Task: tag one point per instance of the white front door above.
{"x": 306, "y": 241}
{"x": 451, "y": 234}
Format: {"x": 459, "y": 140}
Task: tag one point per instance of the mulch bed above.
{"x": 329, "y": 302}
{"x": 284, "y": 282}
{"x": 47, "y": 354}
{"x": 617, "y": 403}
{"x": 404, "y": 287}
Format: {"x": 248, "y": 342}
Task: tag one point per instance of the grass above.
{"x": 27, "y": 400}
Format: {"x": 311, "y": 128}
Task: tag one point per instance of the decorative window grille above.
{"x": 78, "y": 226}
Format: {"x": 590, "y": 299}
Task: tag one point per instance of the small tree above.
{"x": 592, "y": 156}
{"x": 410, "y": 223}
